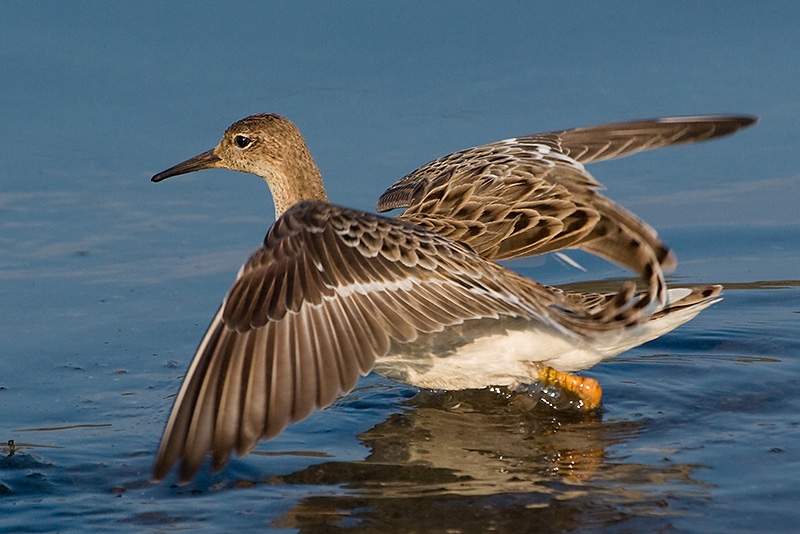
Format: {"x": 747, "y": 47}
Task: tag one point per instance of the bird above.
{"x": 335, "y": 293}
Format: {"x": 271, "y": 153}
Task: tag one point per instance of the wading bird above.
{"x": 334, "y": 293}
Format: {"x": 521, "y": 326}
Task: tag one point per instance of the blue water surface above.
{"x": 108, "y": 281}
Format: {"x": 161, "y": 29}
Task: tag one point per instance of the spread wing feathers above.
{"x": 608, "y": 141}
{"x": 582, "y": 145}
{"x": 532, "y": 195}
{"x": 520, "y": 198}
{"x": 317, "y": 303}
{"x": 324, "y": 296}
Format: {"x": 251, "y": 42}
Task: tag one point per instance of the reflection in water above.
{"x": 489, "y": 460}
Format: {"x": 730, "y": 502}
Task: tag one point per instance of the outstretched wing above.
{"x": 324, "y": 296}
{"x": 617, "y": 140}
{"x": 312, "y": 309}
{"x": 532, "y": 195}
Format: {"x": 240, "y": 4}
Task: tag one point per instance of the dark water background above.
{"x": 108, "y": 281}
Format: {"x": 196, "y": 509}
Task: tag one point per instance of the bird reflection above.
{"x": 456, "y": 460}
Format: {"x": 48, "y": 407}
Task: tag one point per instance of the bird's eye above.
{"x": 242, "y": 141}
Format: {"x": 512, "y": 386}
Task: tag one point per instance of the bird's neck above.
{"x": 298, "y": 182}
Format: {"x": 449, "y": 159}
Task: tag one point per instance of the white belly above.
{"x": 487, "y": 352}
{"x": 509, "y": 351}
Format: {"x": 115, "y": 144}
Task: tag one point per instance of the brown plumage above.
{"x": 532, "y": 194}
{"x": 333, "y": 293}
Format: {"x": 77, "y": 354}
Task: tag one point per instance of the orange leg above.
{"x": 587, "y": 389}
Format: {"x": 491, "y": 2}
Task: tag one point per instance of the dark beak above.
{"x": 206, "y": 160}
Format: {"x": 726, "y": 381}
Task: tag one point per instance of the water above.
{"x": 108, "y": 281}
